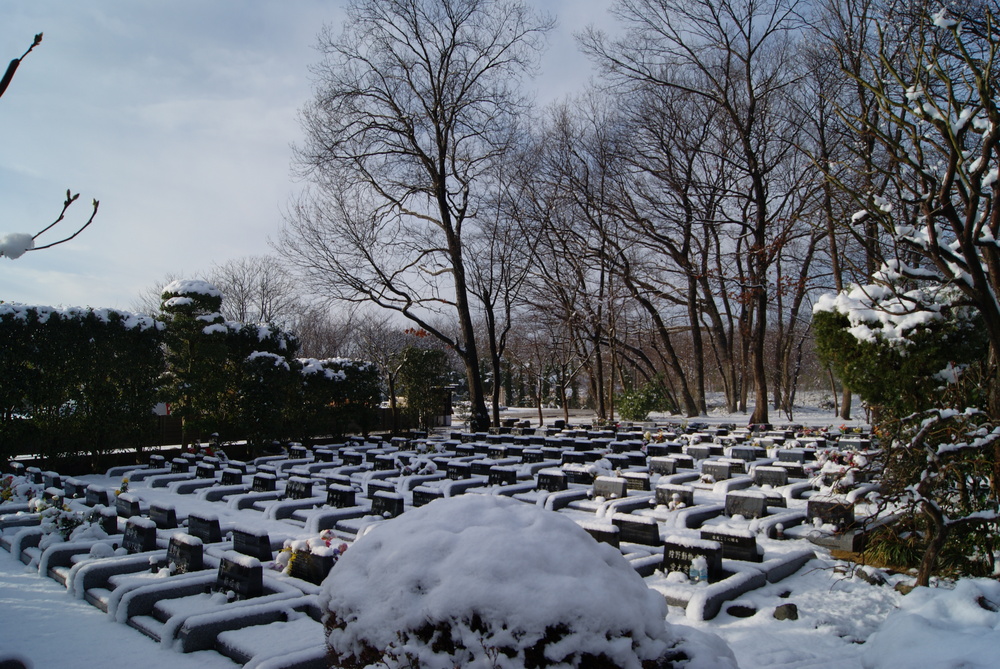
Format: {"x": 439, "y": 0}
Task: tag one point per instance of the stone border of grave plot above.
{"x": 704, "y": 602}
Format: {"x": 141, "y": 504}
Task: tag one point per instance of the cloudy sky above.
{"x": 178, "y": 116}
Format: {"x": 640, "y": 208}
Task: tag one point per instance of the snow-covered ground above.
{"x": 842, "y": 621}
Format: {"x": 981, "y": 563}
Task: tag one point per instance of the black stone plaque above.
{"x": 503, "y": 476}
{"x": 481, "y": 467}
{"x": 610, "y": 487}
{"x": 35, "y": 475}
{"x": 353, "y": 458}
{"x": 310, "y": 567}
{"x": 243, "y": 580}
{"x": 232, "y": 477}
{"x": 185, "y": 552}
{"x": 683, "y": 461}
{"x": 204, "y": 471}
{"x": 340, "y": 496}
{"x": 665, "y": 494}
{"x": 795, "y": 470}
{"x": 636, "y": 459}
{"x": 140, "y": 536}
{"x": 163, "y": 515}
{"x": 206, "y": 529}
{"x": 180, "y": 466}
{"x": 637, "y": 529}
{"x": 636, "y": 480}
{"x": 838, "y": 512}
{"x": 127, "y": 505}
{"x": 607, "y": 534}
{"x": 699, "y": 452}
{"x": 459, "y": 470}
{"x": 377, "y": 485}
{"x": 298, "y": 488}
{"x": 717, "y": 470}
{"x": 384, "y": 463}
{"x": 678, "y": 555}
{"x": 792, "y": 455}
{"x": 387, "y": 505}
{"x": 749, "y": 504}
{"x": 252, "y": 543}
{"x": 657, "y": 450}
{"x": 772, "y": 476}
{"x": 747, "y": 453}
{"x": 664, "y": 466}
{"x": 422, "y": 496}
{"x": 96, "y": 495}
{"x": 574, "y": 475}
{"x": 74, "y": 488}
{"x": 263, "y": 482}
{"x": 735, "y": 545}
{"x": 531, "y": 455}
{"x": 157, "y": 462}
{"x": 551, "y": 480}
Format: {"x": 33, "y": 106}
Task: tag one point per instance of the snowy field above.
{"x": 842, "y": 621}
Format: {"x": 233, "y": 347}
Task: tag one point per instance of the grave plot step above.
{"x": 221, "y": 492}
{"x": 188, "y": 487}
{"x": 703, "y": 602}
{"x": 12, "y": 508}
{"x": 140, "y": 601}
{"x": 250, "y": 499}
{"x": 110, "y": 574}
{"x": 769, "y": 526}
{"x": 13, "y": 520}
{"x": 148, "y": 625}
{"x": 646, "y": 565}
{"x": 202, "y": 631}
{"x": 15, "y": 542}
{"x": 279, "y": 643}
{"x": 287, "y": 508}
{"x": 137, "y": 474}
{"x": 31, "y": 554}
{"x": 562, "y": 498}
{"x": 695, "y": 516}
{"x": 515, "y": 489}
{"x": 98, "y": 597}
{"x": 315, "y": 657}
{"x": 164, "y": 480}
{"x": 327, "y": 519}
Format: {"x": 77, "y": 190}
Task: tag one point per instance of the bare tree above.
{"x": 735, "y": 55}
{"x": 257, "y": 289}
{"x": 414, "y": 105}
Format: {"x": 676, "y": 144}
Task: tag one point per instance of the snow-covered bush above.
{"x": 484, "y": 581}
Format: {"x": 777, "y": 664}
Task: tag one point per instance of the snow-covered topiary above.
{"x": 484, "y": 581}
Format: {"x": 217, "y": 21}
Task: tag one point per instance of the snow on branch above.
{"x": 14, "y": 245}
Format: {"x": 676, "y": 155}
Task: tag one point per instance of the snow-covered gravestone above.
{"x": 488, "y": 581}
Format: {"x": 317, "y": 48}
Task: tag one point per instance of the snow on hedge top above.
{"x": 520, "y": 568}
{"x": 43, "y": 314}
{"x": 191, "y": 287}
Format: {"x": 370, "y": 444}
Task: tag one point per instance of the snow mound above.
{"x": 938, "y": 627}
{"x": 483, "y": 581}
